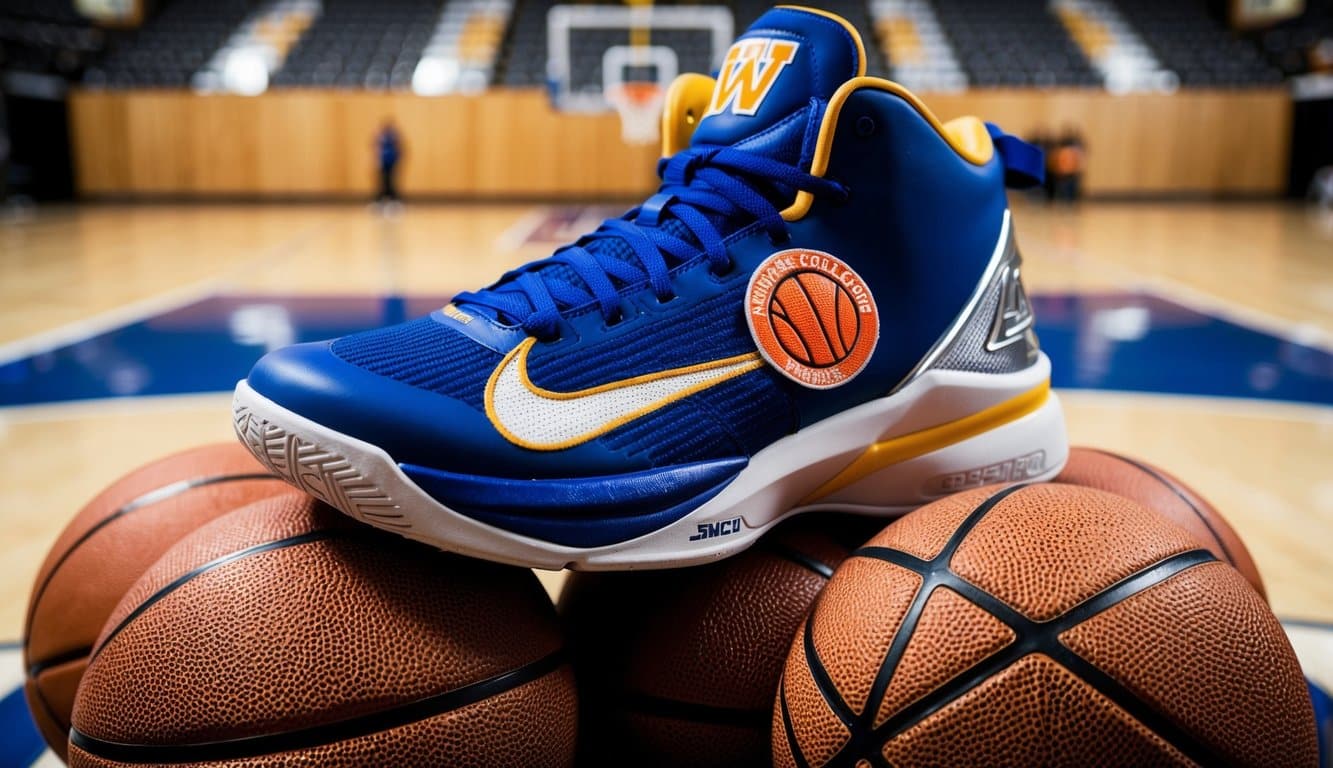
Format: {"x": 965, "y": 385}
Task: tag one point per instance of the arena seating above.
{"x": 170, "y": 46}
{"x": 1018, "y": 43}
{"x": 362, "y": 44}
{"x": 41, "y": 37}
{"x": 1197, "y": 46}
{"x": 1290, "y": 46}
{"x": 938, "y": 45}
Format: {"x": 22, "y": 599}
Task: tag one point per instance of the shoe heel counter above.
{"x": 996, "y": 334}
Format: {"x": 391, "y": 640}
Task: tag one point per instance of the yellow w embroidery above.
{"x": 748, "y": 73}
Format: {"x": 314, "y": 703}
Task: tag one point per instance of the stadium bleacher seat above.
{"x": 1019, "y": 43}
{"x": 1196, "y": 45}
{"x": 45, "y": 38}
{"x": 373, "y": 44}
{"x": 170, "y": 46}
{"x": 1288, "y": 46}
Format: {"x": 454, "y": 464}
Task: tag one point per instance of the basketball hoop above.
{"x": 639, "y": 103}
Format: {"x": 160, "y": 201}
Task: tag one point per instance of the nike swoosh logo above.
{"x": 542, "y": 420}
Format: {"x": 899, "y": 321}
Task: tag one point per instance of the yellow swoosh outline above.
{"x": 520, "y": 355}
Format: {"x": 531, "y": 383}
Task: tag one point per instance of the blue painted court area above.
{"x": 1130, "y": 341}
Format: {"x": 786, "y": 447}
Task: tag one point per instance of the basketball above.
{"x": 1160, "y": 491}
{"x": 814, "y": 318}
{"x": 1040, "y": 625}
{"x": 286, "y": 634}
{"x": 679, "y": 667}
{"x": 107, "y": 547}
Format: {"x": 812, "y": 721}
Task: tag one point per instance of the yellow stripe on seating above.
{"x": 895, "y": 450}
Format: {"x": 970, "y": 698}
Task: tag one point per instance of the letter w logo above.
{"x": 748, "y": 73}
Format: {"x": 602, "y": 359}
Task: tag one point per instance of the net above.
{"x": 639, "y": 104}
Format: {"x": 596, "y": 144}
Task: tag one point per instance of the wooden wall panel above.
{"x": 509, "y": 143}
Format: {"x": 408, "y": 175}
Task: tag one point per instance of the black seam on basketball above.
{"x": 814, "y": 310}
{"x": 327, "y": 733}
{"x": 1032, "y": 637}
{"x": 929, "y": 571}
{"x": 73, "y": 654}
{"x": 161, "y": 493}
{"x": 1043, "y": 637}
{"x": 1221, "y": 544}
{"x": 46, "y": 706}
{"x": 793, "y": 744}
{"x": 799, "y": 558}
{"x": 820, "y": 675}
{"x": 185, "y": 578}
{"x": 674, "y": 709}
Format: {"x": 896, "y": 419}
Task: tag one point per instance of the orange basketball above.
{"x": 287, "y": 634}
{"x": 107, "y": 547}
{"x": 1048, "y": 625}
{"x": 814, "y": 318}
{"x": 1160, "y": 491}
{"x": 679, "y": 667}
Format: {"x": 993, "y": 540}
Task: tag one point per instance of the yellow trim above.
{"x": 853, "y": 32}
{"x": 686, "y": 102}
{"x": 977, "y": 155}
{"x": 521, "y": 351}
{"x": 896, "y": 450}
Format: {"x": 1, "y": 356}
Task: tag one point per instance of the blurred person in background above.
{"x": 389, "y": 147}
{"x": 1065, "y": 164}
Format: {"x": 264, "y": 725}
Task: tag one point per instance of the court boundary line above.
{"x": 1251, "y": 318}
{"x": 1278, "y": 410}
{"x": 222, "y": 283}
{"x": 109, "y": 320}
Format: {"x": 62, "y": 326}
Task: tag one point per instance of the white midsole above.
{"x": 365, "y": 482}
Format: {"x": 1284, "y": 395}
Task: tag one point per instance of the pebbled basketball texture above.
{"x": 1050, "y": 625}
{"x": 1159, "y": 490}
{"x": 679, "y": 667}
{"x": 287, "y": 634}
{"x": 107, "y": 547}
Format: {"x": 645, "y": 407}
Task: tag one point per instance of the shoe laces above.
{"x": 705, "y": 188}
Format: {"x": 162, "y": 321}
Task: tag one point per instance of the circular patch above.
{"x": 812, "y": 317}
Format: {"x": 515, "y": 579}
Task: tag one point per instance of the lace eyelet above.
{"x": 717, "y": 275}
{"x": 778, "y": 242}
{"x": 865, "y": 126}
{"x": 670, "y": 298}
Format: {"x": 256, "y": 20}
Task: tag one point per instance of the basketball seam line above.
{"x": 907, "y": 628}
{"x": 674, "y": 709}
{"x": 40, "y": 695}
{"x": 1043, "y": 637}
{"x": 185, "y": 578}
{"x": 823, "y": 682}
{"x": 71, "y": 655}
{"x": 326, "y": 733}
{"x": 161, "y": 493}
{"x": 819, "y": 673}
{"x": 792, "y": 743}
{"x": 799, "y": 558}
{"x": 1177, "y": 491}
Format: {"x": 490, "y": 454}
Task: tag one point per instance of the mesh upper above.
{"x": 424, "y": 354}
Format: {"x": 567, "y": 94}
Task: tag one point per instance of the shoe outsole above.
{"x": 363, "y": 481}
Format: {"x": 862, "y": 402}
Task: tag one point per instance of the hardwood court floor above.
{"x": 66, "y": 273}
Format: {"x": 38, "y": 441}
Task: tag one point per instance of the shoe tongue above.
{"x": 762, "y": 97}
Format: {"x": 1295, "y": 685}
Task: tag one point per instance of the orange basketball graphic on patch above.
{"x": 812, "y": 317}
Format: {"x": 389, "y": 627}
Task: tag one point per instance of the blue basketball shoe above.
{"x": 820, "y": 308}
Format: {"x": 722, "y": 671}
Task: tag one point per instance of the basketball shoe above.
{"x": 820, "y": 308}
